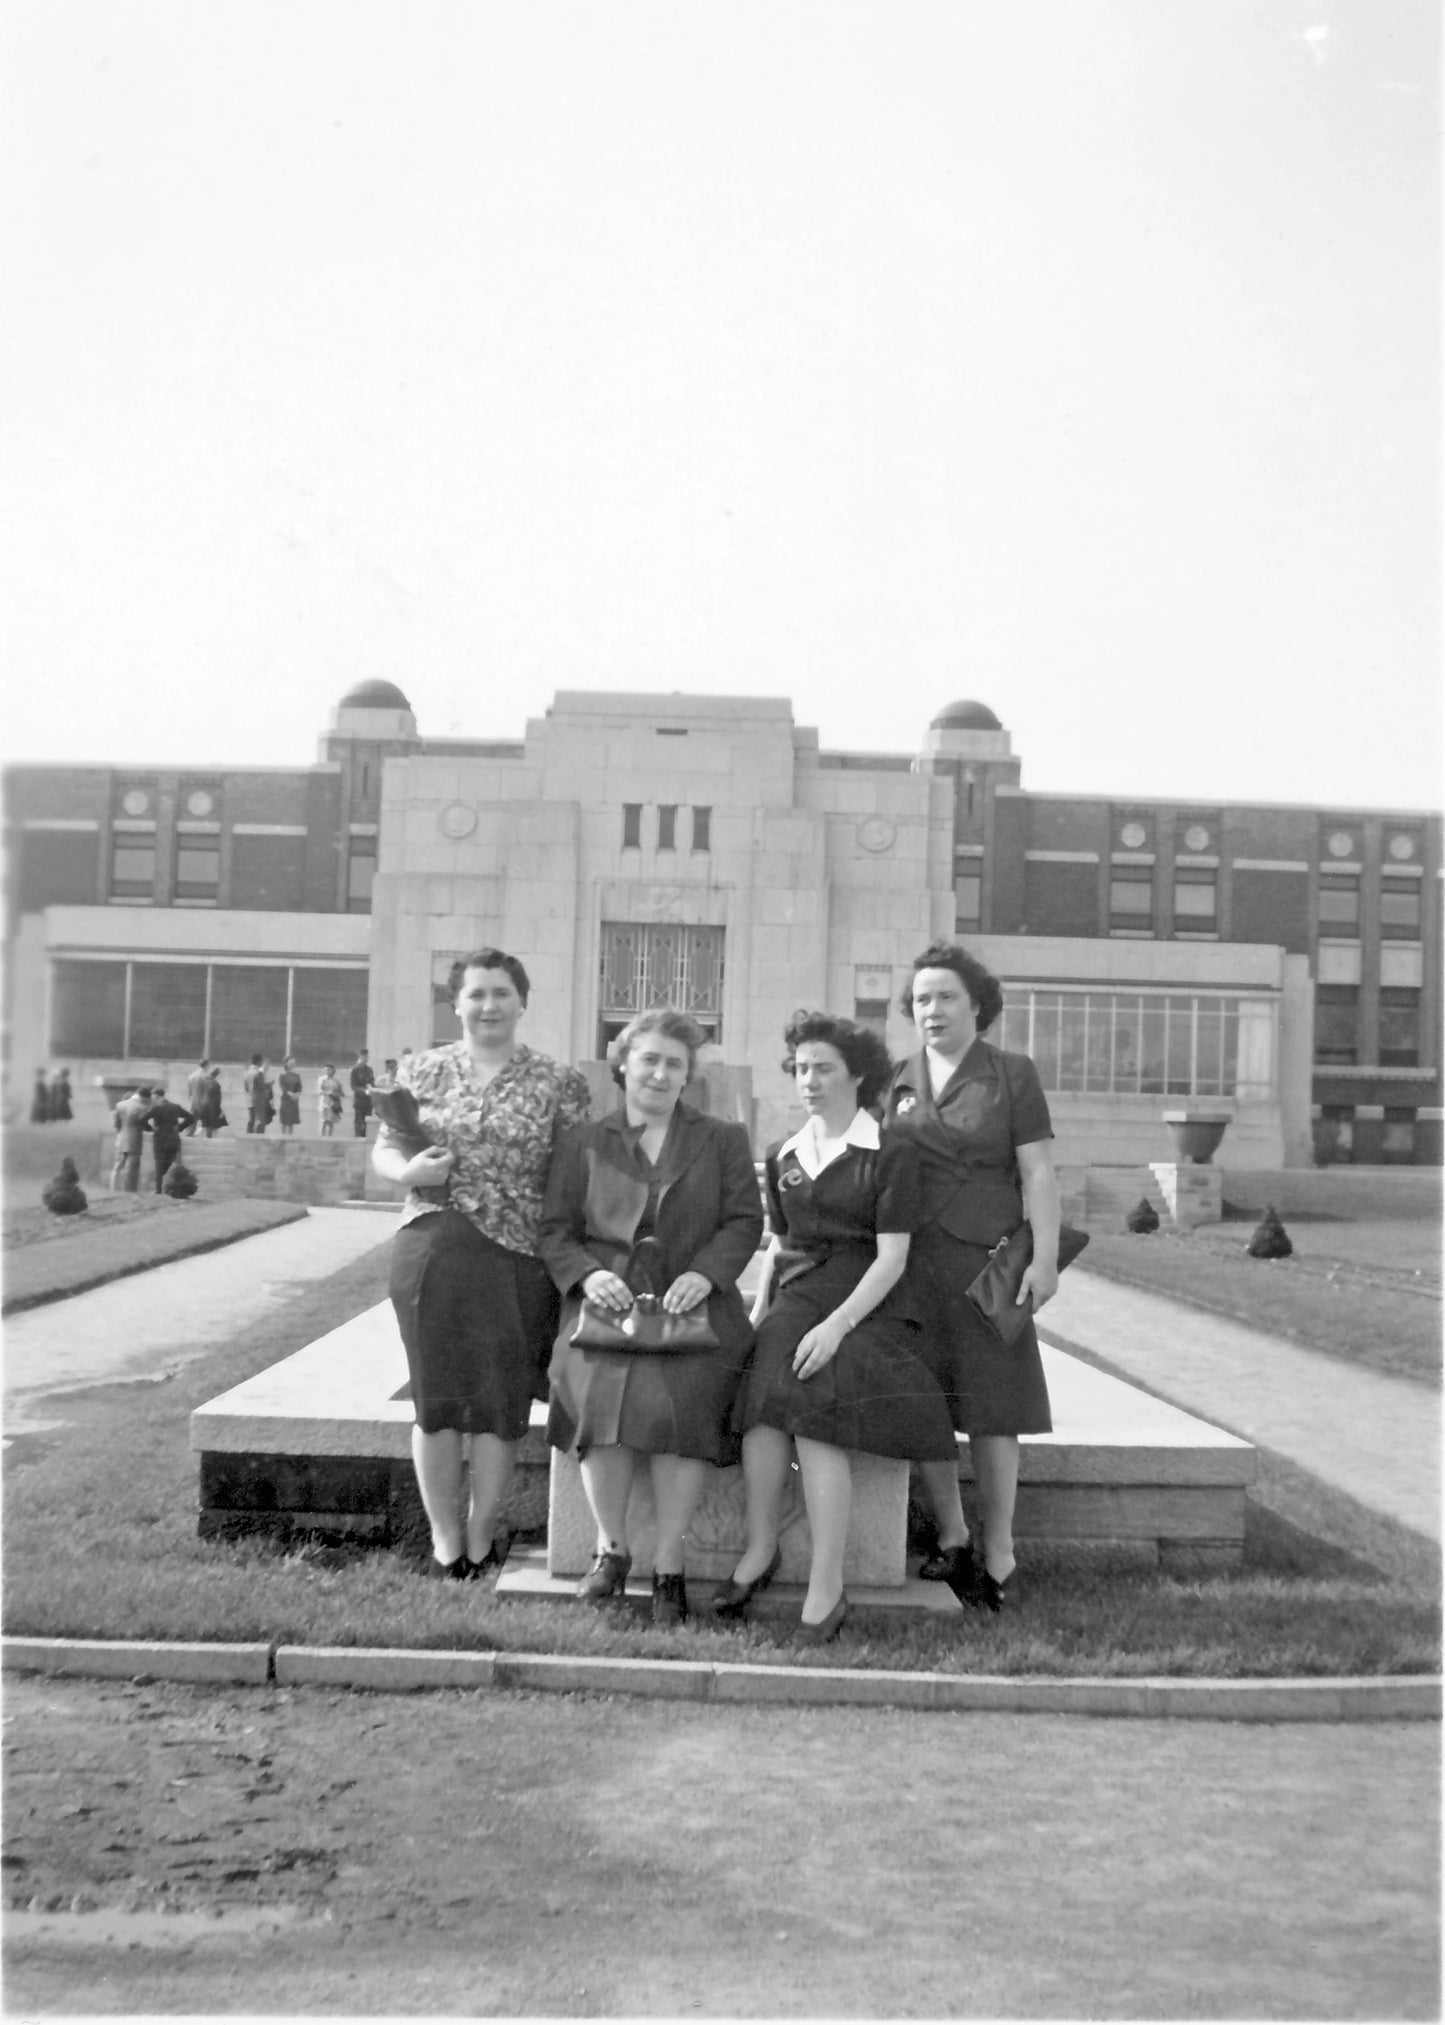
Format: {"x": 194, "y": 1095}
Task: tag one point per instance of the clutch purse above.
{"x": 646, "y": 1327}
{"x": 397, "y": 1110}
{"x": 995, "y": 1293}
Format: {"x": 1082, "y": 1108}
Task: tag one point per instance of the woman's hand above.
{"x": 685, "y": 1293}
{"x": 819, "y": 1346}
{"x": 608, "y": 1291}
{"x": 1039, "y": 1280}
{"x": 427, "y": 1170}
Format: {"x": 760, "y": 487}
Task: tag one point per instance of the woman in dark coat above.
{"x": 288, "y": 1083}
{"x": 655, "y": 1169}
{"x": 40, "y": 1100}
{"x": 60, "y": 1112}
{"x": 979, "y": 1122}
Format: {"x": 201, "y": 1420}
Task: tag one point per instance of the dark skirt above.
{"x": 664, "y": 1405}
{"x": 876, "y": 1394}
{"x": 476, "y": 1320}
{"x": 992, "y": 1387}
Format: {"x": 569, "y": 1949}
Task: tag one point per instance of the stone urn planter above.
{"x": 1196, "y": 1134}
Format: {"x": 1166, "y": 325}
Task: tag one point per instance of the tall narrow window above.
{"x": 631, "y": 826}
{"x": 1400, "y": 1029}
{"x": 702, "y": 829}
{"x": 361, "y": 870}
{"x": 1399, "y": 909}
{"x": 1194, "y": 901}
{"x": 667, "y": 827}
{"x": 967, "y": 889}
{"x": 1339, "y": 904}
{"x": 1337, "y": 1023}
{"x": 133, "y": 869}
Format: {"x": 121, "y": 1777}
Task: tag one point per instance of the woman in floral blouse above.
{"x": 476, "y": 1307}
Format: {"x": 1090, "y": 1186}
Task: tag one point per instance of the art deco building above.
{"x": 1278, "y": 963}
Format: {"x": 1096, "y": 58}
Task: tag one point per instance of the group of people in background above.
{"x": 50, "y": 1099}
{"x": 148, "y": 1110}
{"x": 527, "y": 1225}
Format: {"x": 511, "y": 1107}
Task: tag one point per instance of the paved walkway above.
{"x": 145, "y": 1325}
{"x": 1374, "y": 1437}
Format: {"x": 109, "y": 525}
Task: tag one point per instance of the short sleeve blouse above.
{"x": 500, "y": 1134}
{"x": 968, "y": 1137}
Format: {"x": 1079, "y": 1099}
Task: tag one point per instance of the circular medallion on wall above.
{"x": 1196, "y": 837}
{"x": 1341, "y": 843}
{"x": 876, "y": 833}
{"x": 457, "y": 821}
{"x": 200, "y": 803}
{"x": 1133, "y": 836}
{"x": 1402, "y": 847}
{"x": 135, "y": 802}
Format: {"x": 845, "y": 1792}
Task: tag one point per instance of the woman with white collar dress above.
{"x": 837, "y": 1366}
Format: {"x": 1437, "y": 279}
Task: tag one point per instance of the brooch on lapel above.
{"x": 791, "y": 1176}
{"x": 906, "y": 1103}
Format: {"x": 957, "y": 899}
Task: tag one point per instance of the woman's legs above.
{"x": 996, "y": 1472}
{"x": 492, "y": 1462}
{"x": 438, "y": 1461}
{"x": 607, "y": 1479}
{"x": 677, "y": 1485}
{"x": 940, "y": 1480}
{"x": 828, "y": 1493}
{"x": 767, "y": 1456}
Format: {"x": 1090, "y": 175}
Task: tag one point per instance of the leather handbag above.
{"x": 646, "y": 1328}
{"x": 995, "y": 1293}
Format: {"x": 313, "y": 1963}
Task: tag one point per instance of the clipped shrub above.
{"x": 1142, "y": 1218}
{"x": 64, "y": 1196}
{"x": 1271, "y": 1240}
{"x": 179, "y": 1182}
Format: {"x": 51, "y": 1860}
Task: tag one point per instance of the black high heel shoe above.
{"x": 669, "y": 1600}
{"x": 993, "y": 1593}
{"x": 825, "y": 1632}
{"x": 495, "y": 1557}
{"x": 957, "y": 1567}
{"x": 732, "y": 1600}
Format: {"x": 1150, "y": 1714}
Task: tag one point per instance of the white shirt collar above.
{"x": 862, "y": 1131}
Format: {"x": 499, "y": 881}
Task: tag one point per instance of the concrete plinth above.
{"x": 1193, "y": 1195}
{"x": 877, "y": 1538}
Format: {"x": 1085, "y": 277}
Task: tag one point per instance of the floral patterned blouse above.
{"x": 501, "y": 1134}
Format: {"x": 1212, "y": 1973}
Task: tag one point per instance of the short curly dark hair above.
{"x": 489, "y": 959}
{"x": 864, "y": 1054}
{"x": 984, "y": 990}
{"x": 658, "y": 1019}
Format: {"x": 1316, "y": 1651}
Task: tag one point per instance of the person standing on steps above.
{"x": 328, "y": 1100}
{"x": 979, "y": 1122}
{"x": 476, "y": 1307}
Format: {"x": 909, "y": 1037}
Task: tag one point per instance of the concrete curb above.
{"x": 1392, "y": 1698}
{"x": 106, "y": 1276}
{"x": 123, "y": 1659}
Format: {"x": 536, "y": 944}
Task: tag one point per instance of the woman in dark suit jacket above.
{"x": 654, "y": 1169}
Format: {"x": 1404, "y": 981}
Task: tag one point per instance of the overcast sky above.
{"x": 1080, "y": 356}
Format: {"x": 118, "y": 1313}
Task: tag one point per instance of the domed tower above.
{"x": 967, "y": 741}
{"x": 372, "y": 723}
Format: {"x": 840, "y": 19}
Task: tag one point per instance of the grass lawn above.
{"x": 1367, "y": 1292}
{"x": 47, "y": 1256}
{"x": 101, "y": 1542}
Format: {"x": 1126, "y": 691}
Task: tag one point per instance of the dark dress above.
{"x": 289, "y": 1084}
{"x": 700, "y": 1203}
{"x": 966, "y": 1142}
{"x": 876, "y": 1394}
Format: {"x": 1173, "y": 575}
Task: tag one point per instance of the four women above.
{"x": 865, "y": 1340}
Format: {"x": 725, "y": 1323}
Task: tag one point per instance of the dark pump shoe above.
{"x": 606, "y": 1577}
{"x": 669, "y": 1599}
{"x": 827, "y": 1631}
{"x": 957, "y": 1567}
{"x": 449, "y": 1571}
{"x": 733, "y": 1599}
{"x": 993, "y": 1593}
{"x": 494, "y": 1557}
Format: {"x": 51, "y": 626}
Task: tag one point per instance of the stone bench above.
{"x": 322, "y": 1442}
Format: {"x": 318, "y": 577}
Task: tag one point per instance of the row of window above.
{"x": 1337, "y": 1027}
{"x": 197, "y": 870}
{"x": 120, "y": 1009}
{"x": 665, "y": 834}
{"x": 1123, "y": 1043}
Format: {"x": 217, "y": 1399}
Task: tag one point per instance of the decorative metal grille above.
{"x": 647, "y": 963}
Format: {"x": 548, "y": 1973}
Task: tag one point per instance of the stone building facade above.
{"x": 1278, "y": 964}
